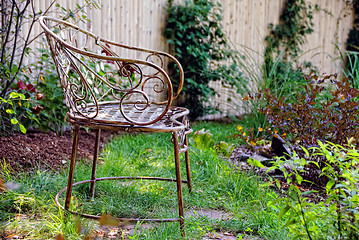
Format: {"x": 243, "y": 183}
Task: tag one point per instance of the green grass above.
{"x": 30, "y": 210}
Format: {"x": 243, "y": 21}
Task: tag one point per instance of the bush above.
{"x": 16, "y": 110}
{"x": 195, "y": 33}
{"x": 50, "y": 96}
{"x": 326, "y": 110}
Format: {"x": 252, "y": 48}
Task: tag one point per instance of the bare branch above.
{"x": 7, "y": 34}
{"x": 17, "y": 31}
{"x": 48, "y": 9}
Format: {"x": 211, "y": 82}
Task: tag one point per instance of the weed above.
{"x": 333, "y": 217}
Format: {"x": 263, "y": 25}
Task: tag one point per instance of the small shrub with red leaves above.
{"x": 326, "y": 110}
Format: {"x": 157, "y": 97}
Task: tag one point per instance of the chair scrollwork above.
{"x": 95, "y": 74}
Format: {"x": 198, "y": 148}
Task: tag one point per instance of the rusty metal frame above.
{"x": 116, "y": 99}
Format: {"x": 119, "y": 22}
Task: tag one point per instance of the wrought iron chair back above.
{"x": 93, "y": 74}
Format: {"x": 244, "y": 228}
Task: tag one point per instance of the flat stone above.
{"x": 212, "y": 214}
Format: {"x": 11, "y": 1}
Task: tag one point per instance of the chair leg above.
{"x": 179, "y": 181}
{"x": 188, "y": 169}
{"x": 72, "y": 168}
{"x": 94, "y": 163}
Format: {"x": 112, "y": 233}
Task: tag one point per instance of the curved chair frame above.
{"x": 116, "y": 98}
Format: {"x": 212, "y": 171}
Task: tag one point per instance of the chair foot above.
{"x": 178, "y": 180}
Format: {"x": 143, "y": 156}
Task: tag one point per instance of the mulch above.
{"x": 36, "y": 149}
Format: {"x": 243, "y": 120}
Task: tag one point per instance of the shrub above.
{"x": 195, "y": 33}
{"x": 326, "y": 110}
{"x": 17, "y": 111}
{"x": 50, "y": 96}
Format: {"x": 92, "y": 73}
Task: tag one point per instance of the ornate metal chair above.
{"x": 104, "y": 90}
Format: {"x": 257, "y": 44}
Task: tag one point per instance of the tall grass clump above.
{"x": 350, "y": 61}
{"x": 282, "y": 73}
{"x": 282, "y": 49}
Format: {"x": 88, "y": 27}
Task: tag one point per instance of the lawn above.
{"x": 29, "y": 210}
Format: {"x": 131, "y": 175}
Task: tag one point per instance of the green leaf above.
{"x": 308, "y": 192}
{"x": 22, "y": 128}
{"x": 14, "y": 121}
{"x": 14, "y": 69}
{"x": 14, "y": 95}
{"x": 10, "y": 111}
{"x": 255, "y": 163}
{"x": 283, "y": 211}
{"x": 203, "y": 139}
{"x": 225, "y": 148}
{"x": 290, "y": 222}
{"x": 26, "y": 104}
{"x": 22, "y": 96}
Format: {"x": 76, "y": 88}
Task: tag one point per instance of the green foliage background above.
{"x": 195, "y": 33}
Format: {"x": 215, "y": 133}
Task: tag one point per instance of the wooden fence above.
{"x": 141, "y": 23}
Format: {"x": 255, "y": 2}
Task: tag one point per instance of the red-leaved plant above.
{"x": 326, "y": 110}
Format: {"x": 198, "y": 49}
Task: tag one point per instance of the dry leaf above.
{"x": 13, "y": 236}
{"x": 60, "y": 237}
{"x": 2, "y": 186}
{"x": 78, "y": 225}
{"x": 12, "y": 186}
{"x": 108, "y": 220}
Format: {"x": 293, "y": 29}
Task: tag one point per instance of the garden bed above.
{"x": 37, "y": 149}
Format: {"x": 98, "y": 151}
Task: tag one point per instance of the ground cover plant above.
{"x": 28, "y": 209}
{"x": 310, "y": 215}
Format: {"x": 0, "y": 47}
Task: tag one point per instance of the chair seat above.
{"x": 110, "y": 117}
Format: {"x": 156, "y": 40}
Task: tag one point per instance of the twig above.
{"x": 17, "y": 30}
{"x": 7, "y": 35}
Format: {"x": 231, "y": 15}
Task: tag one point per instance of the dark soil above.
{"x": 36, "y": 149}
